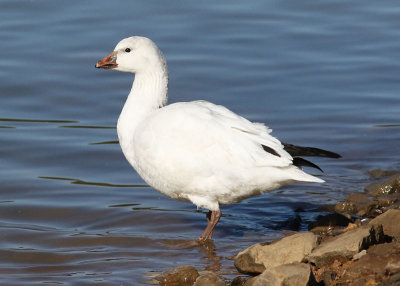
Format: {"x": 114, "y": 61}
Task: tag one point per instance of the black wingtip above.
{"x": 295, "y": 150}
{"x": 300, "y": 162}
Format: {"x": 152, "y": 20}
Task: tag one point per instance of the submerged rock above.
{"x": 259, "y": 257}
{"x": 385, "y": 186}
{"x": 295, "y": 274}
{"x": 376, "y": 173}
{"x": 179, "y": 276}
{"x": 343, "y": 247}
{"x": 209, "y": 278}
{"x": 326, "y": 222}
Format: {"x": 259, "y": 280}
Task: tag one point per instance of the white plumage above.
{"x": 193, "y": 151}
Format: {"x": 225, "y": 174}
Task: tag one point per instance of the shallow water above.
{"x": 72, "y": 210}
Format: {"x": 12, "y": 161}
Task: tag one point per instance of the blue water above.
{"x": 73, "y": 211}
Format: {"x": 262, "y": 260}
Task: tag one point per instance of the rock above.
{"x": 392, "y": 281}
{"x": 387, "y": 248}
{"x": 359, "y": 255}
{"x": 385, "y": 186}
{"x": 329, "y": 221}
{"x": 258, "y": 257}
{"x": 291, "y": 224}
{"x": 381, "y": 261}
{"x": 343, "y": 247}
{"x": 360, "y": 204}
{"x": 251, "y": 281}
{"x": 376, "y": 173}
{"x": 179, "y": 276}
{"x": 238, "y": 281}
{"x": 354, "y": 203}
{"x": 295, "y": 274}
{"x": 358, "y": 198}
{"x": 390, "y": 222}
{"x": 346, "y": 207}
{"x": 393, "y": 267}
{"x": 209, "y": 278}
{"x": 328, "y": 277}
{"x": 387, "y": 200}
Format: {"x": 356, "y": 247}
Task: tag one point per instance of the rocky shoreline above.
{"x": 357, "y": 244}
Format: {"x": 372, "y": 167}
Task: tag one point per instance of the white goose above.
{"x": 197, "y": 151}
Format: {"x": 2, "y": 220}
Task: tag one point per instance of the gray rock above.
{"x": 385, "y": 186}
{"x": 259, "y": 257}
{"x": 178, "y": 276}
{"x": 343, "y": 247}
{"x": 360, "y": 254}
{"x": 390, "y": 222}
{"x": 208, "y": 278}
{"x": 295, "y": 274}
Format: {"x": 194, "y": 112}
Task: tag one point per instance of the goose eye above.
{"x": 127, "y": 50}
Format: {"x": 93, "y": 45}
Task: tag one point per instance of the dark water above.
{"x": 73, "y": 212}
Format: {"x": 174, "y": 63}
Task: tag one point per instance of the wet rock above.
{"x": 390, "y": 222}
{"x": 377, "y": 173}
{"x": 358, "y": 198}
{"x": 388, "y": 200}
{"x": 179, "y": 276}
{"x": 371, "y": 210}
{"x": 326, "y": 208}
{"x": 343, "y": 247}
{"x": 385, "y": 186}
{"x": 295, "y": 274}
{"x": 291, "y": 224}
{"x": 328, "y": 221}
{"x": 258, "y": 257}
{"x": 360, "y": 204}
{"x": 209, "y": 278}
{"x": 353, "y": 203}
{"x": 238, "y": 281}
{"x": 346, "y": 207}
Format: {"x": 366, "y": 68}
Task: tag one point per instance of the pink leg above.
{"x": 212, "y": 219}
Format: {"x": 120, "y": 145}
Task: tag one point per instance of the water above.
{"x": 72, "y": 210}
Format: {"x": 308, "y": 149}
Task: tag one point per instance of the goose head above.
{"x": 134, "y": 54}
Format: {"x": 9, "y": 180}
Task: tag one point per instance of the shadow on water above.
{"x": 36, "y": 120}
{"x": 87, "y": 127}
{"x": 105, "y": 142}
{"x": 100, "y": 184}
{"x": 387, "y": 125}
{"x": 56, "y": 121}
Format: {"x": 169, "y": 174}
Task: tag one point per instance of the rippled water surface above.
{"x": 73, "y": 211}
